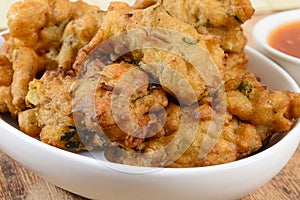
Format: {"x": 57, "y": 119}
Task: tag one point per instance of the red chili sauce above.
{"x": 286, "y": 39}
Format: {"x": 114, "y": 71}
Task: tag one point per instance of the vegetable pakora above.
{"x": 67, "y": 90}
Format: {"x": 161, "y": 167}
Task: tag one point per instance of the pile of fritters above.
{"x": 55, "y": 83}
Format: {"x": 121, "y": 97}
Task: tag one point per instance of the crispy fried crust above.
{"x": 121, "y": 18}
{"x": 51, "y": 100}
{"x": 28, "y": 122}
{"x": 6, "y": 71}
{"x": 271, "y": 111}
{"x": 222, "y": 19}
{"x": 141, "y": 4}
{"x": 125, "y": 127}
{"x": 254, "y": 114}
{"x": 238, "y": 139}
{"x": 46, "y": 77}
{"x": 76, "y": 35}
{"x": 26, "y": 64}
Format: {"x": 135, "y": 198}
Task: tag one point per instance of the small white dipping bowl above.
{"x": 261, "y": 33}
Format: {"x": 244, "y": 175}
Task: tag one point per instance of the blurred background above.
{"x": 261, "y": 6}
{"x": 266, "y": 6}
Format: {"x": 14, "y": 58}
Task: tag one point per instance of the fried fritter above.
{"x": 78, "y": 78}
{"x": 29, "y": 24}
{"x": 213, "y": 17}
{"x": 216, "y": 12}
{"x": 126, "y": 116}
{"x": 77, "y": 34}
{"x": 197, "y": 12}
{"x": 111, "y": 23}
{"x": 254, "y": 114}
{"x": 122, "y": 18}
{"x": 52, "y": 103}
{"x": 269, "y": 111}
{"x": 232, "y": 37}
{"x": 26, "y": 65}
{"x": 28, "y": 122}
{"x": 39, "y": 41}
{"x": 3, "y": 105}
{"x": 57, "y": 31}
{"x": 238, "y": 139}
{"x": 6, "y": 71}
{"x": 141, "y": 4}
{"x": 8, "y": 46}
{"x": 236, "y": 66}
{"x": 6, "y": 101}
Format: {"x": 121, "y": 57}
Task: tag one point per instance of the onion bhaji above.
{"x": 238, "y": 139}
{"x": 254, "y": 114}
{"x": 112, "y": 93}
{"x": 130, "y": 102}
{"x": 117, "y": 20}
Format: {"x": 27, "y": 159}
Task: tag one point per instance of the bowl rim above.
{"x": 92, "y": 162}
{"x": 261, "y": 34}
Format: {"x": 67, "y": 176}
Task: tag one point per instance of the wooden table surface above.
{"x": 16, "y": 182}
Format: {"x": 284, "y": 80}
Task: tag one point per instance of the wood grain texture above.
{"x": 18, "y": 183}
{"x": 284, "y": 186}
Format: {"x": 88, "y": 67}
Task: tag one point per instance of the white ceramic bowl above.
{"x": 261, "y": 32}
{"x": 98, "y": 179}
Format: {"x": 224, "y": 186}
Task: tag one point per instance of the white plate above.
{"x": 83, "y": 175}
